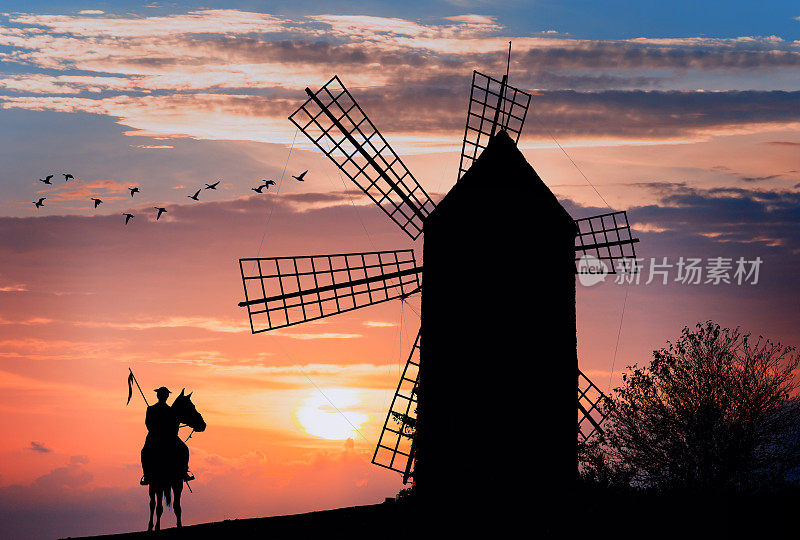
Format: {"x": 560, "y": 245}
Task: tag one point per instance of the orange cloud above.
{"x": 203, "y": 21}
{"x": 77, "y": 190}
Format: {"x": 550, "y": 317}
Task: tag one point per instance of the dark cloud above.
{"x": 628, "y": 55}
{"x": 313, "y": 481}
{"x": 727, "y": 215}
{"x": 783, "y": 143}
{"x": 72, "y": 475}
{"x": 439, "y": 104}
{"x": 660, "y": 114}
{"x": 328, "y": 197}
{"x": 591, "y": 55}
{"x": 39, "y": 447}
{"x": 760, "y": 178}
{"x": 302, "y": 51}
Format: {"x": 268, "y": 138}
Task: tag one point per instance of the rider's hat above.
{"x": 163, "y": 390}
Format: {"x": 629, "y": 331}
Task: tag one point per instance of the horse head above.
{"x": 186, "y": 412}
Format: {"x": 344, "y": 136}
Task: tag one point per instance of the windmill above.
{"x": 497, "y": 334}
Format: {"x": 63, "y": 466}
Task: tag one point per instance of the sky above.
{"x": 683, "y": 113}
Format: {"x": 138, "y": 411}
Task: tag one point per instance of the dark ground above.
{"x": 596, "y": 514}
{"x": 377, "y": 520}
{"x": 681, "y": 516}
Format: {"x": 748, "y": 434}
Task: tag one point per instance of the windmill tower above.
{"x": 488, "y": 391}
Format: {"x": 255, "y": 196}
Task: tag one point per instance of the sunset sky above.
{"x": 684, "y": 113}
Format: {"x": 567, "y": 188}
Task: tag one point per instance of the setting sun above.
{"x": 317, "y": 417}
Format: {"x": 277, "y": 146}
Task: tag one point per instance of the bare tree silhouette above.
{"x": 714, "y": 410}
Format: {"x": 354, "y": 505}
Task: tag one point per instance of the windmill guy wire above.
{"x": 397, "y": 339}
{"x": 358, "y": 214}
{"x": 625, "y": 299}
{"x": 400, "y": 338}
{"x": 303, "y": 371}
{"x": 277, "y": 191}
{"x": 619, "y": 333}
{"x": 573, "y": 162}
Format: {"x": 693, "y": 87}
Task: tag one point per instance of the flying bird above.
{"x": 259, "y": 188}
{"x": 301, "y": 178}
{"x": 133, "y": 190}
{"x": 127, "y": 217}
{"x": 160, "y": 211}
{"x": 68, "y": 177}
{"x": 194, "y": 197}
{"x": 213, "y": 186}
{"x": 40, "y": 202}
{"x": 97, "y": 202}
{"x": 46, "y": 180}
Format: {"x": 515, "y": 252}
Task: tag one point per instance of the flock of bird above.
{"x": 160, "y": 210}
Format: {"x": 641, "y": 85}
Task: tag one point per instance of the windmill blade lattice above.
{"x": 338, "y": 126}
{"x": 492, "y": 104}
{"x": 283, "y": 291}
{"x": 395, "y": 448}
{"x": 590, "y": 408}
{"x": 607, "y": 237}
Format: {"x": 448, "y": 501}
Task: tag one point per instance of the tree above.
{"x": 714, "y": 410}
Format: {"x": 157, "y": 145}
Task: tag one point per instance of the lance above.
{"x": 132, "y": 376}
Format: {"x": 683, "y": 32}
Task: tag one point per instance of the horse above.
{"x": 168, "y": 474}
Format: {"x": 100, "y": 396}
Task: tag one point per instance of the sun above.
{"x": 316, "y": 416}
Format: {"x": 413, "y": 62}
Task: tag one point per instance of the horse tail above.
{"x": 168, "y": 496}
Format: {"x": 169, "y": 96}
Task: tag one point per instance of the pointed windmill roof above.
{"x": 502, "y": 180}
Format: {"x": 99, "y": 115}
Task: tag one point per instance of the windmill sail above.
{"x": 492, "y": 104}
{"x": 395, "y": 448}
{"x": 608, "y": 238}
{"x": 338, "y": 126}
{"x": 283, "y": 291}
{"x": 590, "y": 410}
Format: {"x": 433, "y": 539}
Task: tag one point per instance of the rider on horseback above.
{"x": 162, "y": 437}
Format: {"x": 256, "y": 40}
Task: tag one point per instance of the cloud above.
{"x": 39, "y": 448}
{"x": 70, "y": 501}
{"x": 62, "y": 84}
{"x": 379, "y": 324}
{"x": 618, "y": 114}
{"x": 77, "y": 190}
{"x": 13, "y": 288}
{"x": 211, "y": 21}
{"x": 386, "y": 32}
{"x": 473, "y": 19}
{"x": 674, "y": 114}
{"x": 651, "y": 54}
{"x": 738, "y": 216}
{"x": 761, "y": 178}
{"x": 230, "y": 74}
{"x": 307, "y": 336}
{"x": 26, "y": 322}
{"x": 203, "y": 323}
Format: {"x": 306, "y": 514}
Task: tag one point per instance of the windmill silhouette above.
{"x": 498, "y": 302}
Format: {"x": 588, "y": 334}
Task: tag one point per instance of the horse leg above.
{"x": 176, "y": 503}
{"x": 152, "y": 507}
{"x": 159, "y": 509}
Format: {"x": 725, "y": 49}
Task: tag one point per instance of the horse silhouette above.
{"x": 169, "y": 469}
